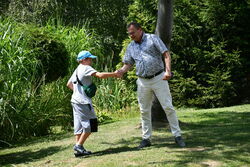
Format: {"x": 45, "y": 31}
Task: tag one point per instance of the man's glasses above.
{"x": 131, "y": 33}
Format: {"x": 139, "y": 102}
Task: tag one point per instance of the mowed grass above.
{"x": 214, "y": 137}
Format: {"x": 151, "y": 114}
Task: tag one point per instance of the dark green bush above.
{"x": 52, "y": 55}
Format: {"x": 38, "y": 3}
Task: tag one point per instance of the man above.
{"x": 85, "y": 120}
{"x": 146, "y": 51}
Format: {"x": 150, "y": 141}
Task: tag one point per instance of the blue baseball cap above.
{"x": 85, "y": 54}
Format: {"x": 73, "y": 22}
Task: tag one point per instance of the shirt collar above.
{"x": 142, "y": 38}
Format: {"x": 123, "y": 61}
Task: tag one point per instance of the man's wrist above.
{"x": 168, "y": 71}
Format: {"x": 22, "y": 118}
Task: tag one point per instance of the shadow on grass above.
{"x": 123, "y": 146}
{"x": 115, "y": 150}
{"x": 224, "y": 128}
{"x": 125, "y": 142}
{"x": 38, "y": 139}
{"x": 28, "y": 155}
{"x": 223, "y": 137}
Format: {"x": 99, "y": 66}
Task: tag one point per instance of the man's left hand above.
{"x": 167, "y": 75}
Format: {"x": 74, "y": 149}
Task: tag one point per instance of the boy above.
{"x": 85, "y": 120}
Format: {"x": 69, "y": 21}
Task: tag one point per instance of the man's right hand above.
{"x": 118, "y": 74}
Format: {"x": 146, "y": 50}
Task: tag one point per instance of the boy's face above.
{"x": 88, "y": 61}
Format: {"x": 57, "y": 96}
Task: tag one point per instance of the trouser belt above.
{"x": 152, "y": 76}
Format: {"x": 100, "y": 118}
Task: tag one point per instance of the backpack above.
{"x": 89, "y": 90}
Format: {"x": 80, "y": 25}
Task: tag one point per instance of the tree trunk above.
{"x": 164, "y": 31}
{"x": 165, "y": 21}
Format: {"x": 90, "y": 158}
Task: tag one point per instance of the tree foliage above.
{"x": 106, "y": 17}
{"x": 209, "y": 50}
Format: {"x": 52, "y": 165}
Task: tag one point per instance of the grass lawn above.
{"x": 214, "y": 137}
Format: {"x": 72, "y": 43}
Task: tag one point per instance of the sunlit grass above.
{"x": 216, "y": 137}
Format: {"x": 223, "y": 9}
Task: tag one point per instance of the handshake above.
{"x": 118, "y": 73}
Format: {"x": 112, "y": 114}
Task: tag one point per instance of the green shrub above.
{"x": 51, "y": 53}
{"x": 209, "y": 82}
{"x": 29, "y": 105}
{"x": 113, "y": 95}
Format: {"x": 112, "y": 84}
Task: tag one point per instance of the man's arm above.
{"x": 167, "y": 60}
{"x": 104, "y": 75}
{"x": 124, "y": 69}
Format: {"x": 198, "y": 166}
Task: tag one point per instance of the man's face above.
{"x": 134, "y": 33}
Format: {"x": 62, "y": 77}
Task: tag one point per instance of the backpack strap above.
{"x": 78, "y": 80}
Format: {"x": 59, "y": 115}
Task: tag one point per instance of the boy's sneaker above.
{"x": 80, "y": 151}
{"x": 144, "y": 143}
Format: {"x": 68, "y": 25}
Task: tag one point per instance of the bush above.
{"x": 29, "y": 106}
{"x": 52, "y": 54}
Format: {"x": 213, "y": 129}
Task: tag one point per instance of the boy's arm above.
{"x": 104, "y": 75}
{"x": 70, "y": 85}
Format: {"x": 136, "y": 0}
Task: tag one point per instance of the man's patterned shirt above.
{"x": 147, "y": 55}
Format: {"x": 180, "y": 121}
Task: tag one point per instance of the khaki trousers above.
{"x": 145, "y": 90}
